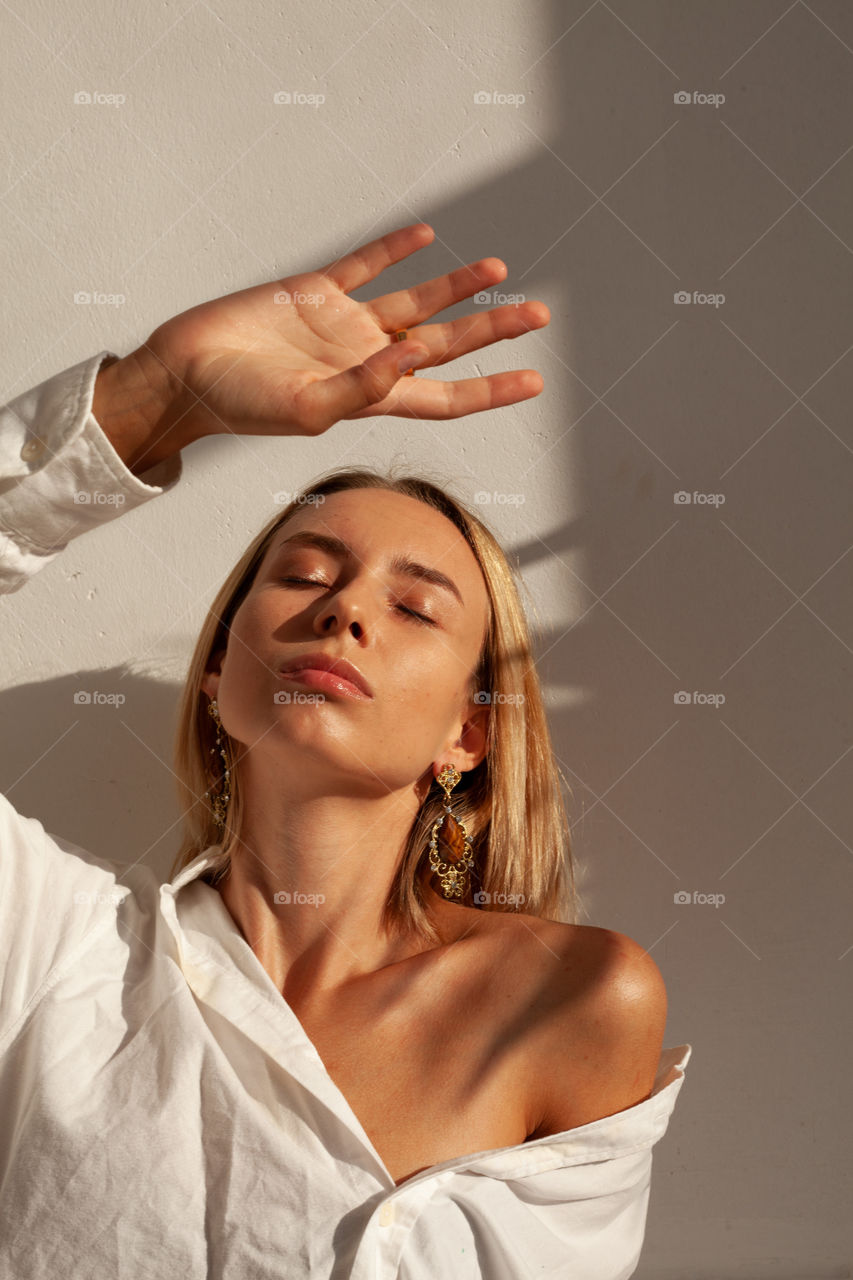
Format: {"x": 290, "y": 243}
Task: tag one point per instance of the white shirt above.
{"x": 164, "y": 1114}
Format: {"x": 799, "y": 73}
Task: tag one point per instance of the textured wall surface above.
{"x": 674, "y": 180}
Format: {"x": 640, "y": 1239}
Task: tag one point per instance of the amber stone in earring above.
{"x": 450, "y": 853}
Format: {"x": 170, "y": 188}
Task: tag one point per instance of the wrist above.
{"x": 137, "y": 405}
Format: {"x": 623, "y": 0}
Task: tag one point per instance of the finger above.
{"x": 430, "y": 399}
{"x": 408, "y": 307}
{"x": 459, "y": 337}
{"x": 366, "y": 262}
{"x": 323, "y": 402}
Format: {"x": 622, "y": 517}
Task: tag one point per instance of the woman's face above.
{"x": 358, "y": 605}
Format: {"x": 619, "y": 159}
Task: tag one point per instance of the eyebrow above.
{"x": 400, "y": 564}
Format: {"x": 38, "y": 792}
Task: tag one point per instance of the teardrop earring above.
{"x": 219, "y": 802}
{"x": 450, "y": 833}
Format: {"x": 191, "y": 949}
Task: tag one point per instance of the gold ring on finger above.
{"x": 400, "y": 336}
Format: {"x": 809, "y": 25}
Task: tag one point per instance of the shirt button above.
{"x": 386, "y": 1214}
{"x": 32, "y": 449}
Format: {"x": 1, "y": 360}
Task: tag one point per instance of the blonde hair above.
{"x": 511, "y": 803}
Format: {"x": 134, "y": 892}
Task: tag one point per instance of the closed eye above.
{"x": 412, "y": 613}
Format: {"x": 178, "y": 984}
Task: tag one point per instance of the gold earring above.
{"x": 452, "y": 870}
{"x": 219, "y": 802}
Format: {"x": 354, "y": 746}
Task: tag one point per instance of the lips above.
{"x": 319, "y": 661}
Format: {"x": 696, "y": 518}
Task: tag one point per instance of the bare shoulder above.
{"x": 596, "y": 1043}
{"x": 584, "y": 961}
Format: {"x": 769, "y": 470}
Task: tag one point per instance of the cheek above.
{"x": 249, "y": 663}
{"x": 253, "y": 630}
{"x": 427, "y": 684}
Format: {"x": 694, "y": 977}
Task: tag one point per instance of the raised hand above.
{"x": 294, "y": 356}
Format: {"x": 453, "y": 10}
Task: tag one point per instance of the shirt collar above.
{"x": 224, "y": 973}
{"x": 193, "y": 869}
{"x": 635, "y": 1129}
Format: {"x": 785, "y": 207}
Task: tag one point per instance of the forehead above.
{"x": 379, "y": 525}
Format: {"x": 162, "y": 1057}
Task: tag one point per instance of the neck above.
{"x": 331, "y": 859}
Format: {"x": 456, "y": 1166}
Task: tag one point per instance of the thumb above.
{"x": 323, "y": 403}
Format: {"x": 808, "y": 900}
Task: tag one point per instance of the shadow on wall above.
{"x": 92, "y": 768}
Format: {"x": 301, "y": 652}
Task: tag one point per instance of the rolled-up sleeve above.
{"x": 59, "y": 474}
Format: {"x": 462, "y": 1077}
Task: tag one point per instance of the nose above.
{"x": 347, "y": 609}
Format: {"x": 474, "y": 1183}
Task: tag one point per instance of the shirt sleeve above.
{"x": 59, "y": 477}
{"x": 59, "y": 473}
{"x": 53, "y": 895}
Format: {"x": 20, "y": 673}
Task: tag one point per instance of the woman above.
{"x": 356, "y": 1034}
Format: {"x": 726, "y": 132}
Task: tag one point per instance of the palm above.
{"x": 295, "y": 355}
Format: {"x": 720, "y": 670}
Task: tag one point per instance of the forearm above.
{"x": 137, "y": 406}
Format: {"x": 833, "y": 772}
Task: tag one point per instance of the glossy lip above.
{"x": 317, "y": 661}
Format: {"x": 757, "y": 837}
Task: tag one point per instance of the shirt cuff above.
{"x": 60, "y": 475}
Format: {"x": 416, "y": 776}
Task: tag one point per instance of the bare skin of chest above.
{"x": 431, "y": 1055}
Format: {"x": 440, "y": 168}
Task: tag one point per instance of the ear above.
{"x": 467, "y": 750}
{"x": 210, "y": 681}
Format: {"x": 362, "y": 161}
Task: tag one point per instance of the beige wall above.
{"x": 183, "y": 179}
